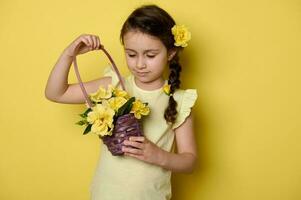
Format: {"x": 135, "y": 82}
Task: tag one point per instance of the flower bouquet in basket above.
{"x": 114, "y": 117}
{"x": 112, "y": 114}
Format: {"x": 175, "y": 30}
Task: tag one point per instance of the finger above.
{"x": 132, "y": 150}
{"x": 90, "y": 41}
{"x": 139, "y": 138}
{"x": 98, "y": 42}
{"x": 134, "y": 144}
{"x": 134, "y": 155}
{"x": 94, "y": 42}
{"x": 86, "y": 41}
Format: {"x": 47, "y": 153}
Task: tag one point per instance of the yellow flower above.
{"x": 139, "y": 109}
{"x": 181, "y": 35}
{"x": 101, "y": 93}
{"x": 101, "y": 118}
{"x": 120, "y": 93}
{"x": 166, "y": 89}
{"x": 101, "y": 129}
{"x": 116, "y": 102}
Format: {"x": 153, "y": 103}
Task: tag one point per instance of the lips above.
{"x": 141, "y": 73}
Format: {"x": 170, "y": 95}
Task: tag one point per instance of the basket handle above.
{"x": 90, "y": 104}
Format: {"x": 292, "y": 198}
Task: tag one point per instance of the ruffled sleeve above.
{"x": 109, "y": 71}
{"x": 186, "y": 100}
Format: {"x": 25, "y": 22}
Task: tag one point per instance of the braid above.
{"x": 170, "y": 113}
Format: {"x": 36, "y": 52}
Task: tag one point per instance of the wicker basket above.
{"x": 125, "y": 125}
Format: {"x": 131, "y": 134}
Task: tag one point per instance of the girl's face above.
{"x": 146, "y": 57}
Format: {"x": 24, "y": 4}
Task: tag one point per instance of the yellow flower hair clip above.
{"x": 166, "y": 89}
{"x": 181, "y": 35}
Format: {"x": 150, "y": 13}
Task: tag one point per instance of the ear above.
{"x": 171, "y": 54}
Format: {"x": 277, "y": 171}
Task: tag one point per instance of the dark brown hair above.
{"x": 155, "y": 21}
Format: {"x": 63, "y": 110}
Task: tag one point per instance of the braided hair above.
{"x": 155, "y": 21}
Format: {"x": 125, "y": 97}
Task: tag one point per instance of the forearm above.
{"x": 57, "y": 82}
{"x": 182, "y": 162}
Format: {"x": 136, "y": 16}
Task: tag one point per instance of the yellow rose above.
{"x": 181, "y": 35}
{"x": 166, "y": 89}
{"x": 101, "y": 118}
{"x": 116, "y": 102}
{"x": 139, "y": 109}
{"x": 101, "y": 93}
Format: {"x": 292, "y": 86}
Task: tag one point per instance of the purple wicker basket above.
{"x": 124, "y": 127}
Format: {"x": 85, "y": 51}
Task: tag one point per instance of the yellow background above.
{"x": 244, "y": 60}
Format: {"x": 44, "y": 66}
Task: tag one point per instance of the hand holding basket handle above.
{"x": 125, "y": 126}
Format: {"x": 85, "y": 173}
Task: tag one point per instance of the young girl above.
{"x": 151, "y": 46}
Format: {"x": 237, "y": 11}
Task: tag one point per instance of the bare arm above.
{"x": 186, "y": 158}
{"x": 58, "y": 89}
{"x": 183, "y": 161}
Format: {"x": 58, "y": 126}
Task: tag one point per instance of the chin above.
{"x": 143, "y": 79}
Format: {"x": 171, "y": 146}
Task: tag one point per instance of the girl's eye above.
{"x": 131, "y": 55}
{"x": 151, "y": 56}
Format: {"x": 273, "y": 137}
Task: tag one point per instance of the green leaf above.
{"x": 88, "y": 129}
{"x": 85, "y": 114}
{"x": 81, "y": 122}
{"x": 126, "y": 108}
{"x": 87, "y": 111}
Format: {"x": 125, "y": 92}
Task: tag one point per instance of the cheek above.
{"x": 130, "y": 62}
{"x": 157, "y": 63}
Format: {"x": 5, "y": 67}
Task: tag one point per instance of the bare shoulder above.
{"x": 74, "y": 95}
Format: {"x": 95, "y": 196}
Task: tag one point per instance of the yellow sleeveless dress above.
{"x": 128, "y": 178}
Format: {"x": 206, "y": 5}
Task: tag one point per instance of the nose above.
{"x": 140, "y": 64}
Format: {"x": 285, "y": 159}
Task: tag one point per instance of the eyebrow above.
{"x": 148, "y": 50}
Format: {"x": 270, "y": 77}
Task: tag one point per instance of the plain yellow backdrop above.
{"x": 244, "y": 60}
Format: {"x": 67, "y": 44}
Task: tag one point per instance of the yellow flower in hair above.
{"x": 166, "y": 89}
{"x": 181, "y": 35}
